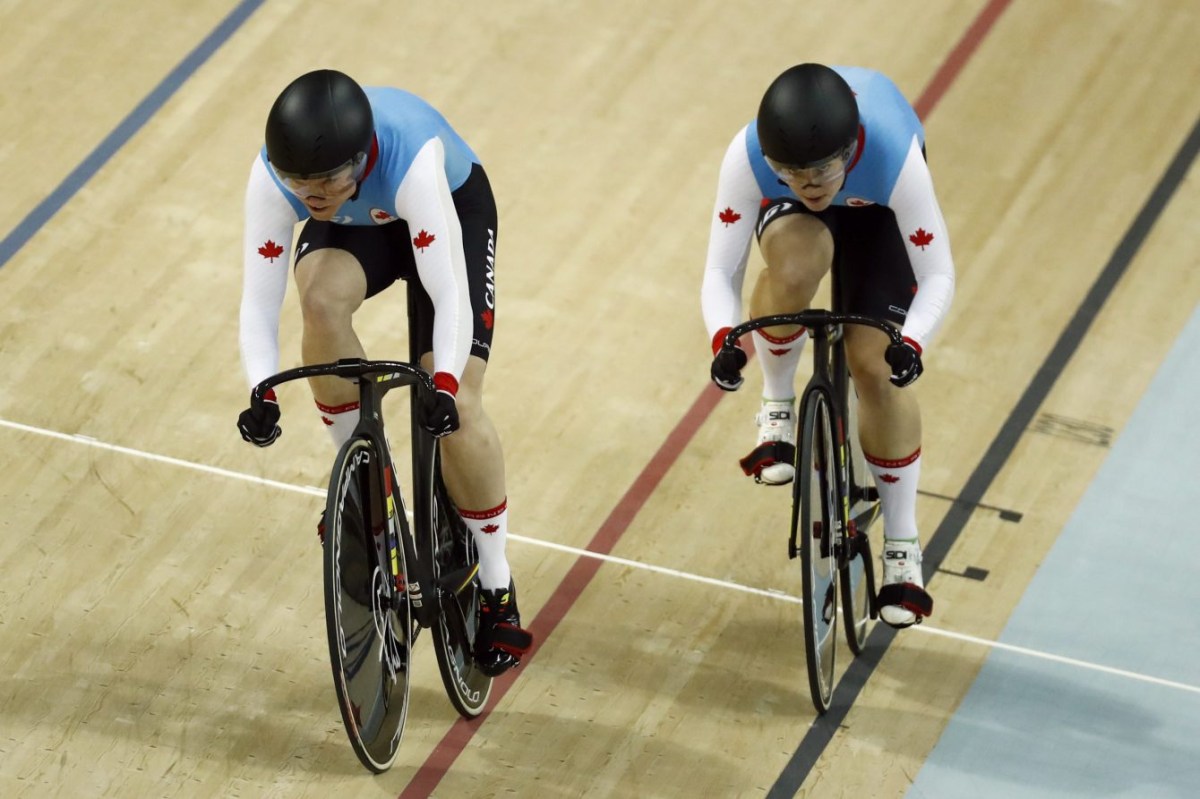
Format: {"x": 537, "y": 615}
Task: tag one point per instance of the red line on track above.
{"x": 572, "y": 585}
{"x": 584, "y": 569}
{"x": 958, "y": 57}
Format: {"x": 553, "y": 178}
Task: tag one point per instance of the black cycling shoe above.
{"x": 499, "y": 641}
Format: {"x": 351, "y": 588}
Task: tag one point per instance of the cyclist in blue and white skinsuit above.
{"x": 387, "y": 190}
{"x": 833, "y": 171}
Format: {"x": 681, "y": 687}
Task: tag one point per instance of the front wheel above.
{"x": 815, "y": 524}
{"x": 368, "y": 616}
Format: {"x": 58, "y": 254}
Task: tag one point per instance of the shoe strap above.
{"x": 511, "y": 639}
{"x": 912, "y": 598}
{"x": 767, "y": 454}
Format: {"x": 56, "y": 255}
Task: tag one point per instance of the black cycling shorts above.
{"x": 873, "y": 275}
{"x": 385, "y": 254}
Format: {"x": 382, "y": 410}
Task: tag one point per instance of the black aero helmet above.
{"x": 807, "y": 115}
{"x": 320, "y": 123}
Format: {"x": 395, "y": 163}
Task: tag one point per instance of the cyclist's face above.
{"x": 323, "y": 194}
{"x": 815, "y": 196}
{"x": 816, "y": 185}
{"x": 827, "y": 172}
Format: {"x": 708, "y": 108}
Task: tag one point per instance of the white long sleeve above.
{"x": 267, "y": 242}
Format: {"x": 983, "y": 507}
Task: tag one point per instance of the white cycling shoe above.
{"x": 771, "y": 460}
{"x": 903, "y": 600}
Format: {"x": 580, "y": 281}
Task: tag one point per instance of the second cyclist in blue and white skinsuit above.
{"x": 831, "y": 174}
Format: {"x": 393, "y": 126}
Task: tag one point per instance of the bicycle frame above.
{"x": 375, "y": 379}
{"x": 832, "y": 375}
{"x": 432, "y": 561}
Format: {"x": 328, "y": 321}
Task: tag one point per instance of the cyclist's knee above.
{"x": 326, "y": 314}
{"x": 332, "y": 286}
{"x": 864, "y": 351}
{"x": 874, "y": 387}
{"x": 871, "y": 373}
{"x": 470, "y": 408}
{"x": 798, "y": 251}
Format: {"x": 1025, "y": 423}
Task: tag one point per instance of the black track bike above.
{"x": 386, "y": 578}
{"x": 834, "y": 503}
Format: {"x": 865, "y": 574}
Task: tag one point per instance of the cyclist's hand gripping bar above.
{"x": 900, "y": 351}
{"x": 259, "y": 424}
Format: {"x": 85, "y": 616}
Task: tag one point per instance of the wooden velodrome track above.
{"x": 161, "y": 619}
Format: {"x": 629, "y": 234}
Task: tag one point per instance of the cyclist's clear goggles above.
{"x": 323, "y": 184}
{"x": 818, "y": 173}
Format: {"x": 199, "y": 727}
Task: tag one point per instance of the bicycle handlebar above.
{"x": 811, "y": 318}
{"x": 350, "y": 368}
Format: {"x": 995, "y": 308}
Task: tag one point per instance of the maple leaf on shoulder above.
{"x": 423, "y": 240}
{"x": 729, "y": 216}
{"x": 270, "y": 250}
{"x": 921, "y": 238}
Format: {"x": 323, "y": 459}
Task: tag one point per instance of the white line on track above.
{"x": 583, "y": 553}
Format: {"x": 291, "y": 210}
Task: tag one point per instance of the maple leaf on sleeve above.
{"x": 270, "y": 250}
{"x": 490, "y": 528}
{"x": 729, "y": 216}
{"x": 423, "y": 240}
{"x": 921, "y": 238}
{"x": 487, "y": 318}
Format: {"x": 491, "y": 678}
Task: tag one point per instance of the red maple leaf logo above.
{"x": 490, "y": 528}
{"x": 921, "y": 238}
{"x": 889, "y": 478}
{"x": 487, "y": 318}
{"x": 729, "y": 216}
{"x": 382, "y": 215}
{"x": 270, "y": 250}
{"x": 423, "y": 240}
{"x": 781, "y": 352}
